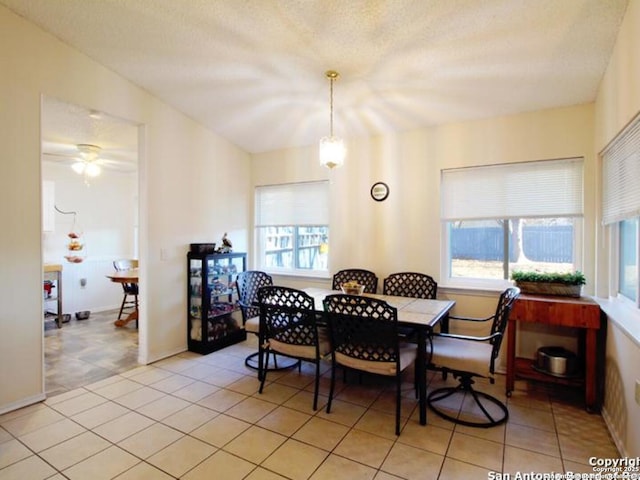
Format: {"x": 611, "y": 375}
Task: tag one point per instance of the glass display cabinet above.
{"x": 214, "y": 319}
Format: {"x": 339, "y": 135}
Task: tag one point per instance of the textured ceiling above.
{"x": 64, "y": 126}
{"x": 253, "y": 70}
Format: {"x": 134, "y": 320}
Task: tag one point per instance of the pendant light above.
{"x": 332, "y": 149}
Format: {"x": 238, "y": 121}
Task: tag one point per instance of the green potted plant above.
{"x": 567, "y": 284}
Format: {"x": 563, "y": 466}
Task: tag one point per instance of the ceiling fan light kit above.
{"x": 86, "y": 163}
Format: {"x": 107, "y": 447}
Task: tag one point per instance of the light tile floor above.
{"x": 201, "y": 417}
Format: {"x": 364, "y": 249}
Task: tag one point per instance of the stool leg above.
{"x": 124, "y": 300}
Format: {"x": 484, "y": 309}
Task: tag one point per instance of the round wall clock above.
{"x": 379, "y": 191}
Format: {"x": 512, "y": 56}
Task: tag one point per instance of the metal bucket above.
{"x": 557, "y": 361}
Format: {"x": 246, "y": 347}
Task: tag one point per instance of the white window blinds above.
{"x": 549, "y": 188}
{"x": 621, "y": 176}
{"x": 293, "y": 204}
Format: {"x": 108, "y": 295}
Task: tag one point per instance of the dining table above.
{"x": 125, "y": 276}
{"x": 421, "y": 315}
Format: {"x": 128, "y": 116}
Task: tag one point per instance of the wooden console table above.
{"x": 583, "y": 313}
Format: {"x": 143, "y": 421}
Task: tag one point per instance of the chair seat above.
{"x": 300, "y": 351}
{"x": 304, "y": 351}
{"x": 252, "y": 325}
{"x": 408, "y": 354}
{"x": 462, "y": 355}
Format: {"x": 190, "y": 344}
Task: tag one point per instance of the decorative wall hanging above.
{"x": 76, "y": 252}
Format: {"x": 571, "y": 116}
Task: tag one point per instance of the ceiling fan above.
{"x": 89, "y": 159}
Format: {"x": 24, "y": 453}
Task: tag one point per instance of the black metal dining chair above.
{"x": 466, "y": 357}
{"x": 363, "y": 277}
{"x": 289, "y": 327}
{"x": 364, "y": 336}
{"x": 248, "y": 283}
{"x": 410, "y": 284}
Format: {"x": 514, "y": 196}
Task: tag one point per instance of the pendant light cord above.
{"x": 331, "y": 80}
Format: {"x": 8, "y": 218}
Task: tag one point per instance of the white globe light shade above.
{"x": 92, "y": 170}
{"x": 332, "y": 152}
{"x": 79, "y": 167}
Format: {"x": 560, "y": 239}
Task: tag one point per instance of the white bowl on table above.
{"x": 352, "y": 289}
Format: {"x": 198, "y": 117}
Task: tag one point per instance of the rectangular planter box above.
{"x": 544, "y": 288}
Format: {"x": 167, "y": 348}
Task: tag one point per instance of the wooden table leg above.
{"x": 511, "y": 356}
{"x": 590, "y": 370}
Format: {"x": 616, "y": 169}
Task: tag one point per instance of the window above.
{"x": 628, "y": 271}
{"x": 621, "y": 205}
{"x": 500, "y": 218}
{"x": 292, "y": 228}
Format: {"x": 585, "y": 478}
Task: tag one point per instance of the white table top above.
{"x": 411, "y": 311}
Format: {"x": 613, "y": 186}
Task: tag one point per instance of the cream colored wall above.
{"x": 403, "y": 232}
{"x": 618, "y": 102}
{"x": 194, "y": 186}
{"x": 618, "y": 99}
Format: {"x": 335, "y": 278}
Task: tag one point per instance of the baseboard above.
{"x": 24, "y": 402}
{"x": 162, "y": 356}
{"x": 614, "y": 435}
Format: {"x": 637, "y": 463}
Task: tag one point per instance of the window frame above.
{"x": 620, "y": 200}
{"x": 617, "y": 263}
{"x": 447, "y": 280}
{"x": 259, "y": 230}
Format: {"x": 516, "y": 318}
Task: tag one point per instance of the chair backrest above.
{"x": 363, "y": 277}
{"x": 248, "y": 283}
{"x": 410, "y": 284}
{"x": 288, "y": 316}
{"x": 127, "y": 264}
{"x": 362, "y": 327}
{"x": 501, "y": 319}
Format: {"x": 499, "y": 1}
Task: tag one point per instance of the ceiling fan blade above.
{"x": 59, "y": 148}
{"x": 116, "y": 160}
{"x": 61, "y": 156}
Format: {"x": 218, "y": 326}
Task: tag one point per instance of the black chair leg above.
{"x": 332, "y": 384}
{"x": 260, "y": 359}
{"x": 465, "y": 386}
{"x": 398, "y": 406}
{"x": 285, "y": 363}
{"x": 262, "y": 373}
{"x": 317, "y": 386}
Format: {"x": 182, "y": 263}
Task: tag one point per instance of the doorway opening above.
{"x": 90, "y": 219}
